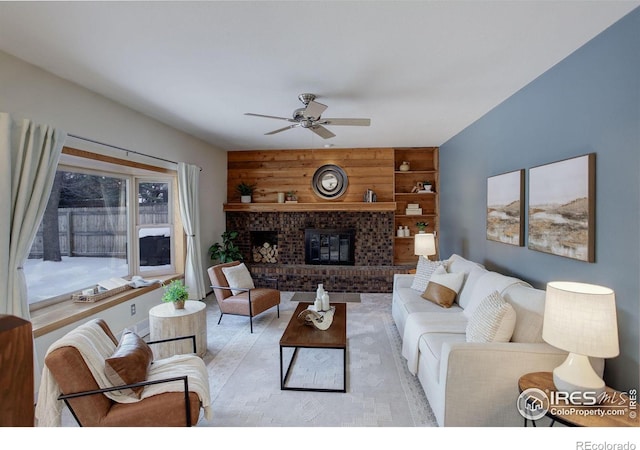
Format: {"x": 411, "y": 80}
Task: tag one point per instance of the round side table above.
{"x": 167, "y": 322}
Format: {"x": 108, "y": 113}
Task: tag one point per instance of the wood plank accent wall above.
{"x": 276, "y": 171}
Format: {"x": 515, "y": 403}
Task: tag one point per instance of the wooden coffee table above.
{"x": 297, "y": 335}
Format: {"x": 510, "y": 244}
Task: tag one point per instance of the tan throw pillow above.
{"x": 443, "y": 288}
{"x": 129, "y": 363}
{"x": 238, "y": 276}
{"x": 492, "y": 321}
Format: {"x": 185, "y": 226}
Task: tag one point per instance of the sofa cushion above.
{"x": 430, "y": 347}
{"x": 528, "y": 303}
{"x": 424, "y": 270}
{"x": 443, "y": 288}
{"x": 129, "y": 363}
{"x": 238, "y": 277}
{"x": 486, "y": 284}
{"x": 466, "y": 292}
{"x": 493, "y": 320}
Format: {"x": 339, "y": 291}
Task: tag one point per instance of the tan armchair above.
{"x": 245, "y": 301}
{"x": 67, "y": 367}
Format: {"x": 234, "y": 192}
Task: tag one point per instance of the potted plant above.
{"x": 422, "y": 226}
{"x": 245, "y": 190}
{"x": 291, "y": 196}
{"x": 177, "y": 293}
{"x": 228, "y": 251}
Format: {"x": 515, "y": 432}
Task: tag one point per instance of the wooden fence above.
{"x": 97, "y": 232}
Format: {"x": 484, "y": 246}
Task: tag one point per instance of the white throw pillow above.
{"x": 424, "y": 270}
{"x": 443, "y": 287}
{"x": 238, "y": 276}
{"x": 492, "y": 321}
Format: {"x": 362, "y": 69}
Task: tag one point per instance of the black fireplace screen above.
{"x": 329, "y": 246}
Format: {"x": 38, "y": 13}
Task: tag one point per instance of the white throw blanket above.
{"x": 95, "y": 346}
{"x": 419, "y": 323}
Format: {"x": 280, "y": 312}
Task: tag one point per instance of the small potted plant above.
{"x": 422, "y": 226}
{"x": 177, "y": 293}
{"x": 291, "y": 197}
{"x": 245, "y": 190}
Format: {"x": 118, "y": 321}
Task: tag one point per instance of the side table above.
{"x": 618, "y": 409}
{"x": 167, "y": 322}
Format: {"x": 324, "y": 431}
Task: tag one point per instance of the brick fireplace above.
{"x": 371, "y": 269}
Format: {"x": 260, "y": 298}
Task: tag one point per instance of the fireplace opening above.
{"x": 329, "y": 246}
{"x": 264, "y": 247}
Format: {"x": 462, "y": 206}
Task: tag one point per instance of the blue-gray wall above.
{"x": 588, "y": 103}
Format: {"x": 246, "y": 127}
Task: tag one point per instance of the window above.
{"x": 101, "y": 224}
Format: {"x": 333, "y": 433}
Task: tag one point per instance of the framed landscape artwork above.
{"x": 562, "y": 208}
{"x": 505, "y": 208}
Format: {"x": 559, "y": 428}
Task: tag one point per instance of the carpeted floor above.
{"x": 244, "y": 373}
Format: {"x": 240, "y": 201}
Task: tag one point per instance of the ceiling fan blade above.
{"x": 314, "y": 109}
{"x": 322, "y": 131}
{"x": 351, "y": 122}
{"x": 269, "y": 117}
{"x": 282, "y": 129}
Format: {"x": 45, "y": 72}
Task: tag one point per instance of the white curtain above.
{"x": 188, "y": 176}
{"x": 29, "y": 155}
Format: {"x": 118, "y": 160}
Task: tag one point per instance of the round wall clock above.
{"x": 329, "y": 181}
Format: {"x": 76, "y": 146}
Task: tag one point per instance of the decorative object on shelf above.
{"x": 422, "y": 226}
{"x": 281, "y": 197}
{"x": 245, "y": 190}
{"x": 400, "y": 232}
{"x": 228, "y": 251}
{"x": 562, "y": 219}
{"x": 325, "y": 301}
{"x": 291, "y": 197}
{"x": 406, "y": 232}
{"x": 419, "y": 187}
{"x": 581, "y": 319}
{"x": 405, "y": 166}
{"x": 428, "y": 186}
{"x": 424, "y": 245}
{"x": 413, "y": 209}
{"x": 370, "y": 196}
{"x": 320, "y": 320}
{"x": 177, "y": 293}
{"x": 329, "y": 181}
{"x": 505, "y": 208}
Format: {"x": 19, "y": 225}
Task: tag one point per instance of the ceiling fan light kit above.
{"x": 310, "y": 117}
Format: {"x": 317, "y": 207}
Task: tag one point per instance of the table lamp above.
{"x": 581, "y": 319}
{"x": 424, "y": 244}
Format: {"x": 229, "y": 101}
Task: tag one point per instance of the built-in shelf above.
{"x": 303, "y": 207}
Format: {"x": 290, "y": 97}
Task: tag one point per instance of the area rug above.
{"x": 337, "y": 297}
{"x": 244, "y": 373}
{"x": 244, "y": 370}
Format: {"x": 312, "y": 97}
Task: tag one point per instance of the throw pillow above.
{"x": 129, "y": 363}
{"x": 492, "y": 321}
{"x": 424, "y": 270}
{"x": 238, "y": 276}
{"x": 443, "y": 288}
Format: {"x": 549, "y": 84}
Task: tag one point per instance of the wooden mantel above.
{"x": 303, "y": 207}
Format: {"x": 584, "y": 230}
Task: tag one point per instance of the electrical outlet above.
{"x": 133, "y": 309}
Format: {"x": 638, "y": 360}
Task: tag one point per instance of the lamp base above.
{"x": 576, "y": 377}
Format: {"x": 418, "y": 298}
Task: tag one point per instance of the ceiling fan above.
{"x": 310, "y": 117}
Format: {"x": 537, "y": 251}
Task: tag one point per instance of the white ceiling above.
{"x": 420, "y": 70}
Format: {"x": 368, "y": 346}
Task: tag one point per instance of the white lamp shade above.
{"x": 581, "y": 318}
{"x": 424, "y": 244}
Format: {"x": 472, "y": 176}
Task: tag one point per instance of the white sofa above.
{"x": 471, "y": 383}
